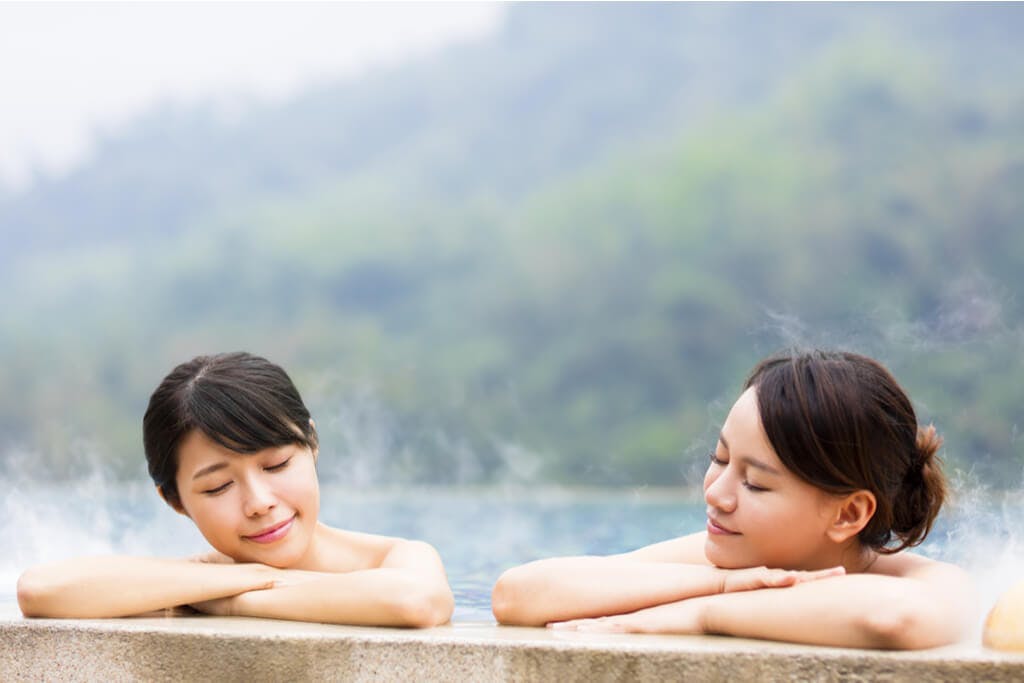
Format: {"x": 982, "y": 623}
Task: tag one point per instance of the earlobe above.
{"x": 852, "y": 514}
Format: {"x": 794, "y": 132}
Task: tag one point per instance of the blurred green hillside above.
{"x": 554, "y": 254}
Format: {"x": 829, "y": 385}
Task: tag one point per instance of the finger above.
{"x": 822, "y": 574}
{"x": 783, "y": 579}
{"x": 831, "y": 571}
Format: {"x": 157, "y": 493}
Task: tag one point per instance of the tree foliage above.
{"x": 553, "y": 254}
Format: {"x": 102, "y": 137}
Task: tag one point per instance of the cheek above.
{"x": 214, "y": 513}
{"x": 782, "y": 526}
{"x": 302, "y": 485}
{"x": 218, "y": 520}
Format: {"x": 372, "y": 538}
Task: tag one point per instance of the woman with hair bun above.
{"x": 231, "y": 446}
{"x": 820, "y": 480}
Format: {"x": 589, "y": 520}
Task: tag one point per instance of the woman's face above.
{"x": 260, "y": 507}
{"x": 760, "y": 513}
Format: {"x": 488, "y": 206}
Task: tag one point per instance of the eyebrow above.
{"x": 209, "y": 470}
{"x": 748, "y": 460}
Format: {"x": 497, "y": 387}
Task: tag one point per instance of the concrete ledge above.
{"x": 235, "y": 649}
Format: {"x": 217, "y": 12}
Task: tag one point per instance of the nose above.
{"x": 719, "y": 490}
{"x": 259, "y": 497}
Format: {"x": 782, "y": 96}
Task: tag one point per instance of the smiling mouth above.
{"x": 273, "y": 533}
{"x": 719, "y": 530}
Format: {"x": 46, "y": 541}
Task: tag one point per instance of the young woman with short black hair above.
{"x": 231, "y": 445}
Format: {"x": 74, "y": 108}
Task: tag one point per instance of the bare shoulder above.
{"x": 684, "y": 549}
{"x": 346, "y": 551}
{"x": 910, "y": 565}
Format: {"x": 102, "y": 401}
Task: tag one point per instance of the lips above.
{"x": 715, "y": 527}
{"x": 272, "y": 533}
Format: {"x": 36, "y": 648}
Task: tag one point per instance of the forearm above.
{"x": 100, "y": 587}
{"x": 578, "y": 587}
{"x": 849, "y": 611}
{"x": 371, "y": 597}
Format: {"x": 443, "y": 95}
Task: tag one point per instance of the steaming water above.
{"x": 478, "y": 533}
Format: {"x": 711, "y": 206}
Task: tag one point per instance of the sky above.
{"x": 71, "y": 70}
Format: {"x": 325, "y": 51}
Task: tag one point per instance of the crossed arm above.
{"x": 409, "y": 588}
{"x": 928, "y": 605}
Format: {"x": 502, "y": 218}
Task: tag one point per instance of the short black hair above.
{"x": 241, "y": 401}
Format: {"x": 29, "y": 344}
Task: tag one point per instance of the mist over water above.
{"x": 369, "y": 444}
{"x": 979, "y": 527}
{"x": 969, "y": 313}
{"x": 983, "y": 535}
{"x": 479, "y": 532}
{"x": 91, "y": 516}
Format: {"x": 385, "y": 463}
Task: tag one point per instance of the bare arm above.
{"x": 565, "y": 588}
{"x": 408, "y": 589}
{"x": 576, "y": 587}
{"x": 97, "y": 587}
{"x": 927, "y": 607}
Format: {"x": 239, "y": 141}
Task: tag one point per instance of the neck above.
{"x": 311, "y": 559}
{"x": 858, "y": 559}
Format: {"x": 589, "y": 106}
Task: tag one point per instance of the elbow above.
{"x": 33, "y": 595}
{"x": 425, "y": 607}
{"x": 890, "y": 629}
{"x": 913, "y": 615}
{"x": 506, "y": 599}
{"x": 905, "y": 628}
{"x": 503, "y": 603}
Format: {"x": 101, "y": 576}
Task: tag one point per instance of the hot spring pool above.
{"x": 478, "y": 532}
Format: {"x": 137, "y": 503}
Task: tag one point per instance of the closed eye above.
{"x": 279, "y": 466}
{"x": 220, "y": 489}
{"x": 754, "y": 488}
{"x": 716, "y": 460}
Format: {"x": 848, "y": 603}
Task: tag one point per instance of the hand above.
{"x": 232, "y": 605}
{"x": 683, "y": 617}
{"x": 763, "y": 577}
{"x": 293, "y": 577}
{"x": 212, "y": 557}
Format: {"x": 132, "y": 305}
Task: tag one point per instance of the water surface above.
{"x": 479, "y": 533}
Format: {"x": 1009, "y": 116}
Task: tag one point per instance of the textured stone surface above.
{"x": 210, "y": 648}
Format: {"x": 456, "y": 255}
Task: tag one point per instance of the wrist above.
{"x": 704, "y": 616}
{"x": 264, "y": 576}
{"x": 236, "y": 605}
{"x": 720, "y": 577}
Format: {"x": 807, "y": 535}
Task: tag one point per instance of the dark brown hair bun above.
{"x": 841, "y": 422}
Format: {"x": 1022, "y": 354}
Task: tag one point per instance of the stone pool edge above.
{"x": 211, "y": 648}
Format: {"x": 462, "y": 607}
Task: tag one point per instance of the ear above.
{"x": 852, "y": 513}
{"x": 177, "y": 507}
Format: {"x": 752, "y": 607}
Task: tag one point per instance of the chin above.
{"x": 721, "y": 559}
